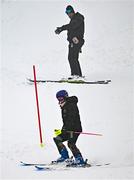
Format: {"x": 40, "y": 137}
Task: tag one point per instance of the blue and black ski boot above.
{"x": 64, "y": 156}
{"x": 78, "y": 162}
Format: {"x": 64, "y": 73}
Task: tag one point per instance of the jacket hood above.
{"x": 72, "y": 99}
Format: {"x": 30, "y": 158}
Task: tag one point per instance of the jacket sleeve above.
{"x": 72, "y": 25}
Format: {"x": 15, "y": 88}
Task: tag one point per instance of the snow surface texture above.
{"x": 28, "y": 38}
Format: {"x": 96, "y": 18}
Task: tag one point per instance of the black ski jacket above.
{"x": 75, "y": 28}
{"x": 70, "y": 115}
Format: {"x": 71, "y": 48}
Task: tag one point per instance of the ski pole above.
{"x": 37, "y": 103}
{"x": 86, "y": 133}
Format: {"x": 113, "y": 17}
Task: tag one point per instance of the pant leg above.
{"x": 73, "y": 61}
{"x": 73, "y": 57}
{"x": 59, "y": 141}
{"x": 72, "y": 145}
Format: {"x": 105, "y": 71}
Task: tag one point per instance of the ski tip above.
{"x": 25, "y": 164}
{"x": 107, "y": 164}
{"x": 22, "y": 163}
{"x": 39, "y": 168}
{"x": 108, "y": 81}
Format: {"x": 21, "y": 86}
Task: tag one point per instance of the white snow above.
{"x": 28, "y": 39}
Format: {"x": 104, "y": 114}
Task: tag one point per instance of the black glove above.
{"x": 58, "y": 30}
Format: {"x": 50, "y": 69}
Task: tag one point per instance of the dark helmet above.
{"x": 69, "y": 9}
{"x": 61, "y": 94}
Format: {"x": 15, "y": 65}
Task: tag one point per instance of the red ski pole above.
{"x": 37, "y": 103}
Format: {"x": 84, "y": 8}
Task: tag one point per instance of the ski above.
{"x": 58, "y": 167}
{"x": 31, "y": 164}
{"x": 70, "y": 81}
{"x": 41, "y": 168}
{"x": 22, "y": 163}
{"x": 68, "y": 166}
{"x": 44, "y": 166}
{"x": 38, "y": 166}
{"x": 51, "y": 168}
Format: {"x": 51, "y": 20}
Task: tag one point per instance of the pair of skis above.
{"x": 31, "y": 81}
{"x": 52, "y": 166}
{"x": 58, "y": 166}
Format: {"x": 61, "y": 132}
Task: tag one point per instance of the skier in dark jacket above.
{"x": 75, "y": 36}
{"x": 71, "y": 124}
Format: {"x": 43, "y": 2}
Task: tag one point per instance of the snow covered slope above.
{"x": 28, "y": 38}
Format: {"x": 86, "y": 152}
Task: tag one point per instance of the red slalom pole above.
{"x": 37, "y": 103}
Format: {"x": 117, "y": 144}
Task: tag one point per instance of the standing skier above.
{"x": 71, "y": 124}
{"x": 75, "y": 33}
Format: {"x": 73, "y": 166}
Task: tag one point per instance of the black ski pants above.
{"x": 73, "y": 56}
{"x": 71, "y": 142}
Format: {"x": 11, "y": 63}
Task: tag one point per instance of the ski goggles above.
{"x": 61, "y": 100}
{"x": 68, "y": 11}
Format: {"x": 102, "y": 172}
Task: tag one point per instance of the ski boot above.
{"x": 63, "y": 158}
{"x": 78, "y": 162}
